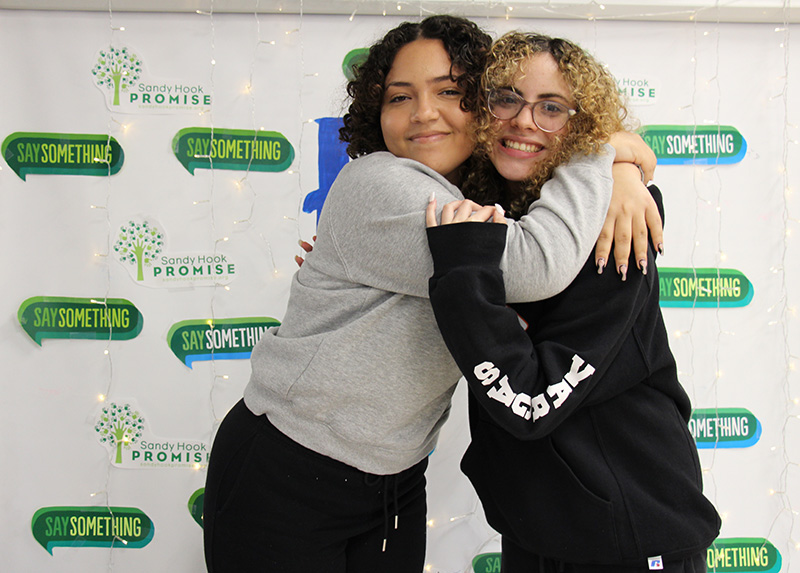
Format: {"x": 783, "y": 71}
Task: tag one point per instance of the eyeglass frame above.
{"x": 525, "y": 103}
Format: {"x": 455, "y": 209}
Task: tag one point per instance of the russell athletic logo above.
{"x": 695, "y": 144}
{"x": 703, "y": 288}
{"x": 117, "y": 527}
{"x": 79, "y": 318}
{"x": 34, "y": 153}
{"x": 724, "y": 428}
{"x": 217, "y": 339}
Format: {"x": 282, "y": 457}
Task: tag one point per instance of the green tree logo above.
{"x": 117, "y": 69}
{"x": 138, "y": 244}
{"x": 119, "y": 427}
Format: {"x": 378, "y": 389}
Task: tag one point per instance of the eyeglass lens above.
{"x": 547, "y": 115}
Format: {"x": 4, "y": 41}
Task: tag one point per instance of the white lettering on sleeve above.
{"x": 504, "y": 394}
{"x": 486, "y": 373}
{"x": 559, "y": 392}
{"x": 523, "y": 405}
{"x": 573, "y": 376}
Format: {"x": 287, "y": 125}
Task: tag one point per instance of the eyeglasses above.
{"x": 549, "y": 116}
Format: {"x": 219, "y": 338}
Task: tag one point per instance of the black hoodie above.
{"x": 580, "y": 449}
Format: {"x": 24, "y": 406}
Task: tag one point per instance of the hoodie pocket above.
{"x": 539, "y": 501}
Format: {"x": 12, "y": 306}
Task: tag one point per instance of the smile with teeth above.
{"x": 526, "y": 147}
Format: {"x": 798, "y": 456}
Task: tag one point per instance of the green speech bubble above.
{"x": 220, "y": 339}
{"x": 695, "y": 144}
{"x": 62, "y": 154}
{"x": 86, "y": 318}
{"x": 486, "y": 563}
{"x": 744, "y": 555}
{"x": 118, "y": 527}
{"x": 233, "y": 149}
{"x": 703, "y": 287}
{"x": 352, "y": 61}
{"x": 196, "y": 505}
{"x": 724, "y": 428}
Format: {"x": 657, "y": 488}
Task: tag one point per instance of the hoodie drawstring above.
{"x": 387, "y": 480}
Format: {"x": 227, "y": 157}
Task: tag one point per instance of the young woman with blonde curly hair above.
{"x": 580, "y": 450}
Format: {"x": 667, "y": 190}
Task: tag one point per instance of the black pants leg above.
{"x": 272, "y": 505}
{"x": 515, "y": 559}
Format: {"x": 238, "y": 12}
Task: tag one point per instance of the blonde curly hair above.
{"x": 601, "y": 112}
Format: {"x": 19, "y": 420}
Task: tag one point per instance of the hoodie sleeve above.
{"x": 529, "y": 384}
{"x": 372, "y": 228}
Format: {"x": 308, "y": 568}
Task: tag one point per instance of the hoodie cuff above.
{"x": 466, "y": 244}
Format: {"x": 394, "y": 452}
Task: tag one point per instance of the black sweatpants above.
{"x": 272, "y": 505}
{"x": 515, "y": 559}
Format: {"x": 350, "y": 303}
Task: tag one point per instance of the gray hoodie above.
{"x": 357, "y": 370}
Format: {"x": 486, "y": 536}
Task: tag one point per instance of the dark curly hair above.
{"x": 465, "y": 43}
{"x": 601, "y": 112}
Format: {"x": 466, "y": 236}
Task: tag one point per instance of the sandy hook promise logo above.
{"x": 121, "y": 429}
{"x": 117, "y": 70}
{"x": 139, "y": 248}
{"x": 138, "y": 244}
{"x": 120, "y": 74}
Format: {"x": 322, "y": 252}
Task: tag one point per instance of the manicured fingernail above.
{"x": 601, "y": 263}
{"x": 499, "y": 209}
{"x": 643, "y": 266}
{"x": 661, "y": 249}
{"x": 433, "y": 197}
{"x": 623, "y": 271}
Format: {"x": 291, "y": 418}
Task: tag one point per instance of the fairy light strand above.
{"x": 786, "y": 311}
{"x": 107, "y": 268}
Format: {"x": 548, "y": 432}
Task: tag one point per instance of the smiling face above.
{"x": 521, "y": 146}
{"x": 421, "y": 115}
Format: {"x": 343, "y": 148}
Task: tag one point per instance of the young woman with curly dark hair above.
{"x": 580, "y": 451}
{"x": 321, "y": 466}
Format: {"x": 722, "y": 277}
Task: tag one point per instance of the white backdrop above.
{"x": 734, "y": 213}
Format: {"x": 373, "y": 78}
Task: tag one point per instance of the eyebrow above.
{"x": 436, "y": 80}
{"x": 542, "y": 96}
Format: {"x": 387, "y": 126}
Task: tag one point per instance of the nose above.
{"x": 425, "y": 109}
{"x": 524, "y": 119}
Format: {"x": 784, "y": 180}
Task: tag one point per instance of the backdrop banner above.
{"x": 157, "y": 173}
